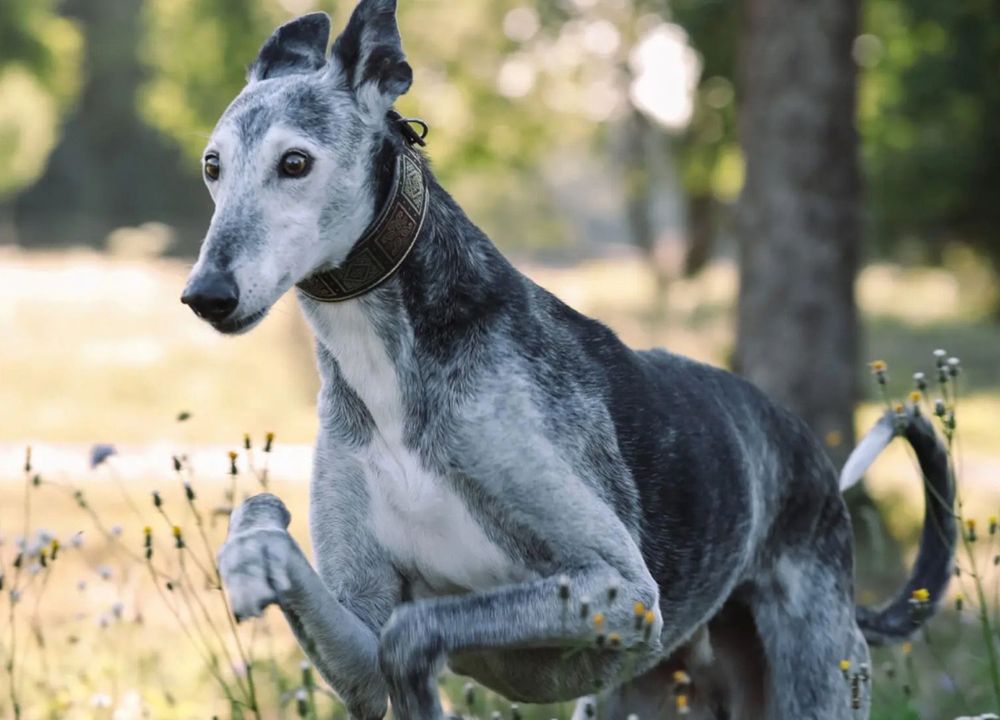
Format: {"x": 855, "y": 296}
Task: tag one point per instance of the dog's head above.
{"x": 292, "y": 163}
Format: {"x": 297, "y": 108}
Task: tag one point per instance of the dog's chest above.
{"x": 415, "y": 513}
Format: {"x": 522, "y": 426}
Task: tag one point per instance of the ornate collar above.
{"x": 388, "y": 240}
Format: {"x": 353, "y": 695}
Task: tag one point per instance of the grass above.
{"x": 102, "y": 352}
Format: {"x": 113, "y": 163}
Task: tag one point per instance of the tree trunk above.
{"x": 798, "y": 217}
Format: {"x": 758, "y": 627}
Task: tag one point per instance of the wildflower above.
{"x": 939, "y": 407}
{"x": 639, "y": 610}
{"x": 246, "y": 441}
{"x": 232, "y": 462}
{"x": 101, "y": 700}
{"x": 157, "y": 499}
{"x": 898, "y": 408}
{"x": 915, "y": 397}
{"x": 880, "y": 371}
{"x": 54, "y": 547}
{"x": 600, "y": 640}
{"x": 178, "y": 537}
{"x": 970, "y": 530}
{"x": 682, "y": 704}
{"x": 598, "y": 621}
{"x": 865, "y": 672}
{"x": 100, "y": 453}
{"x": 907, "y": 648}
{"x": 268, "y": 442}
{"x": 302, "y": 703}
{"x": 612, "y": 592}
{"x": 993, "y": 524}
{"x": 959, "y": 601}
{"x": 177, "y": 463}
{"x": 189, "y": 492}
{"x": 939, "y": 356}
{"x": 954, "y": 366}
{"x": 515, "y": 712}
{"x": 681, "y": 677}
{"x": 614, "y": 640}
{"x": 563, "y": 587}
{"x": 921, "y": 595}
{"x": 920, "y": 381}
{"x": 584, "y": 607}
{"x": 845, "y": 667}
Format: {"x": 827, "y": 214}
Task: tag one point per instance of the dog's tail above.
{"x": 905, "y": 613}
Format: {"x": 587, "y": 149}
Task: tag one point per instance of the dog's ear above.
{"x": 370, "y": 52}
{"x": 298, "y": 46}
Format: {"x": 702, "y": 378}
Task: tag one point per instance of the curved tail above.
{"x": 898, "y": 619}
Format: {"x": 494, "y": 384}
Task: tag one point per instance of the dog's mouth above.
{"x": 237, "y": 325}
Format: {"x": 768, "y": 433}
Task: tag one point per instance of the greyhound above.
{"x": 499, "y": 483}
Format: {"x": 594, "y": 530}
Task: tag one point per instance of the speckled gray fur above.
{"x": 489, "y": 460}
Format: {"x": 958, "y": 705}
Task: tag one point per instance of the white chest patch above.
{"x": 415, "y": 515}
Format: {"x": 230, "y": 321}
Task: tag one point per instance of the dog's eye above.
{"x": 212, "y": 166}
{"x": 294, "y": 163}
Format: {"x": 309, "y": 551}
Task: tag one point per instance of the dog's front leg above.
{"x": 261, "y": 564}
{"x": 542, "y": 614}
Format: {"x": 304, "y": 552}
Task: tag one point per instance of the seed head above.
{"x": 563, "y": 587}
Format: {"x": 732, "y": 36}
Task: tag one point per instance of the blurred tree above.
{"x": 799, "y": 215}
{"x": 39, "y": 57}
{"x": 109, "y": 169}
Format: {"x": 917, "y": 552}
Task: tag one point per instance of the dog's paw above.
{"x": 254, "y": 568}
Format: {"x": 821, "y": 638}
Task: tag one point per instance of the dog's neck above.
{"x": 452, "y": 281}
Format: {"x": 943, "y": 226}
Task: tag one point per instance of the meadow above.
{"x": 144, "y": 428}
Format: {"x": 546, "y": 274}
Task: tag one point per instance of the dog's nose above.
{"x": 212, "y": 295}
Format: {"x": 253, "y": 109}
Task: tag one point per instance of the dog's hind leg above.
{"x": 804, "y": 614}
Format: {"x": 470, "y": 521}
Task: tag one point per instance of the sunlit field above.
{"x": 110, "y": 605}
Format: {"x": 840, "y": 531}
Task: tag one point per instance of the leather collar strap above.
{"x": 385, "y": 244}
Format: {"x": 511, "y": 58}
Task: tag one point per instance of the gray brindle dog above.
{"x": 500, "y": 484}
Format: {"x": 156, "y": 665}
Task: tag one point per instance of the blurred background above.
{"x": 785, "y": 189}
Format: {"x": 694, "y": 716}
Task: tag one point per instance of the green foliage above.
{"x": 39, "y": 61}
{"x": 928, "y": 117}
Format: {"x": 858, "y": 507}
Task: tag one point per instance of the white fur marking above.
{"x": 870, "y": 447}
{"x": 416, "y": 517}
